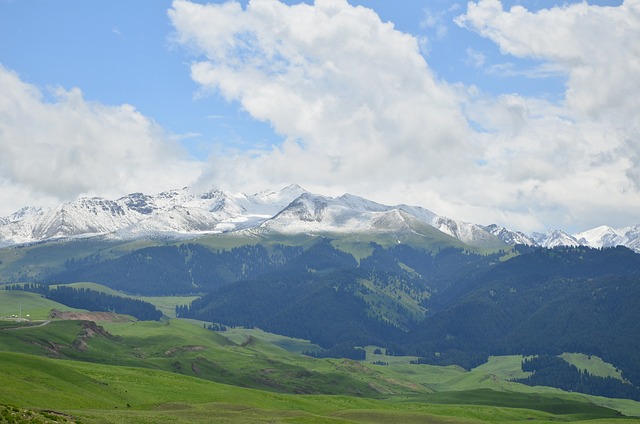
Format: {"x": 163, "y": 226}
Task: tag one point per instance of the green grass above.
{"x": 540, "y": 402}
{"x": 391, "y": 360}
{"x": 165, "y": 304}
{"x": 504, "y": 367}
{"x": 32, "y": 304}
{"x": 178, "y": 371}
{"x": 109, "y": 394}
{"x": 593, "y": 364}
{"x": 24, "y": 263}
{"x": 184, "y": 348}
{"x": 290, "y": 344}
{"x": 495, "y": 375}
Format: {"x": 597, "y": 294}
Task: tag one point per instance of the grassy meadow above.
{"x": 125, "y": 371}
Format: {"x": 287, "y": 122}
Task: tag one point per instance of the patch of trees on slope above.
{"x": 542, "y": 301}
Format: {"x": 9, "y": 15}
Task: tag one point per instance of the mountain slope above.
{"x": 546, "y": 301}
{"x": 173, "y": 213}
{"x": 187, "y": 213}
{"x": 314, "y": 214}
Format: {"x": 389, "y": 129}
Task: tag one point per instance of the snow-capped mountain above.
{"x": 184, "y": 213}
{"x": 554, "y": 238}
{"x": 599, "y": 237}
{"x": 313, "y": 214}
{"x": 509, "y": 236}
{"x": 292, "y": 210}
{"x": 172, "y": 213}
{"x": 472, "y": 234}
{"x": 631, "y": 237}
{"x": 603, "y": 236}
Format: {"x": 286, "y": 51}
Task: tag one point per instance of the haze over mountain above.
{"x": 184, "y": 213}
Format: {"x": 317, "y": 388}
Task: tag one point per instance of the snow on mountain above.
{"x": 266, "y": 204}
{"x": 422, "y": 214}
{"x": 136, "y": 215}
{"x": 311, "y": 213}
{"x": 554, "y": 238}
{"x": 631, "y": 237}
{"x": 291, "y": 210}
{"x": 510, "y": 237}
{"x": 599, "y": 237}
{"x": 602, "y": 236}
{"x": 472, "y": 234}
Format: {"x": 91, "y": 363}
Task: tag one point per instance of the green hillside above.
{"x": 165, "y": 304}
{"x": 181, "y": 371}
{"x": 32, "y": 304}
{"x": 325, "y": 297}
{"x": 115, "y": 394}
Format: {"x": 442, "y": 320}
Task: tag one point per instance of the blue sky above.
{"x": 121, "y": 52}
{"x": 490, "y": 114}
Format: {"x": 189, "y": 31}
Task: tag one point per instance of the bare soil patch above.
{"x": 88, "y": 316}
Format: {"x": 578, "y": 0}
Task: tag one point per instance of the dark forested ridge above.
{"x": 545, "y": 302}
{"x": 446, "y": 306}
{"x": 173, "y": 270}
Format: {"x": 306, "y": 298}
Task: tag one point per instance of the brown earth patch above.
{"x": 88, "y": 316}
{"x": 89, "y": 330}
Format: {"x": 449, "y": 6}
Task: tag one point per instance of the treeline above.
{"x": 92, "y": 300}
{"x": 466, "y": 360}
{"x": 556, "y": 372}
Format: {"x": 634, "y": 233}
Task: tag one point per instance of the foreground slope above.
{"x": 112, "y": 394}
{"x": 175, "y": 370}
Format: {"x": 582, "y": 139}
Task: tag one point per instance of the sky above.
{"x": 521, "y": 113}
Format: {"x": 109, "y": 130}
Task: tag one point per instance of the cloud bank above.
{"x": 65, "y": 148}
{"x": 354, "y": 100}
{"x": 360, "y": 109}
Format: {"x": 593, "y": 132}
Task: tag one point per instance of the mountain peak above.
{"x": 510, "y": 237}
{"x": 555, "y": 238}
{"x": 290, "y": 210}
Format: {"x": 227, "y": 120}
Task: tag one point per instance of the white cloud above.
{"x": 360, "y": 110}
{"x": 475, "y": 58}
{"x": 352, "y": 97}
{"x": 53, "y": 151}
{"x": 598, "y": 47}
{"x": 579, "y": 157}
{"x": 437, "y": 21}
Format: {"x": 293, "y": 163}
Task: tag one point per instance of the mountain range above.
{"x": 186, "y": 213}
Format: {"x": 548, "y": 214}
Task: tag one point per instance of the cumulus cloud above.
{"x": 348, "y": 93}
{"x": 61, "y": 149}
{"x": 577, "y": 156}
{"x": 598, "y": 47}
{"x": 360, "y": 110}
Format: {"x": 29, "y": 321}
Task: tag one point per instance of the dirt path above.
{"x": 42, "y": 324}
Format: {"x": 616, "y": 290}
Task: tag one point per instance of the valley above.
{"x": 139, "y": 371}
{"x": 177, "y": 368}
{"x": 320, "y": 211}
{"x": 314, "y": 329}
